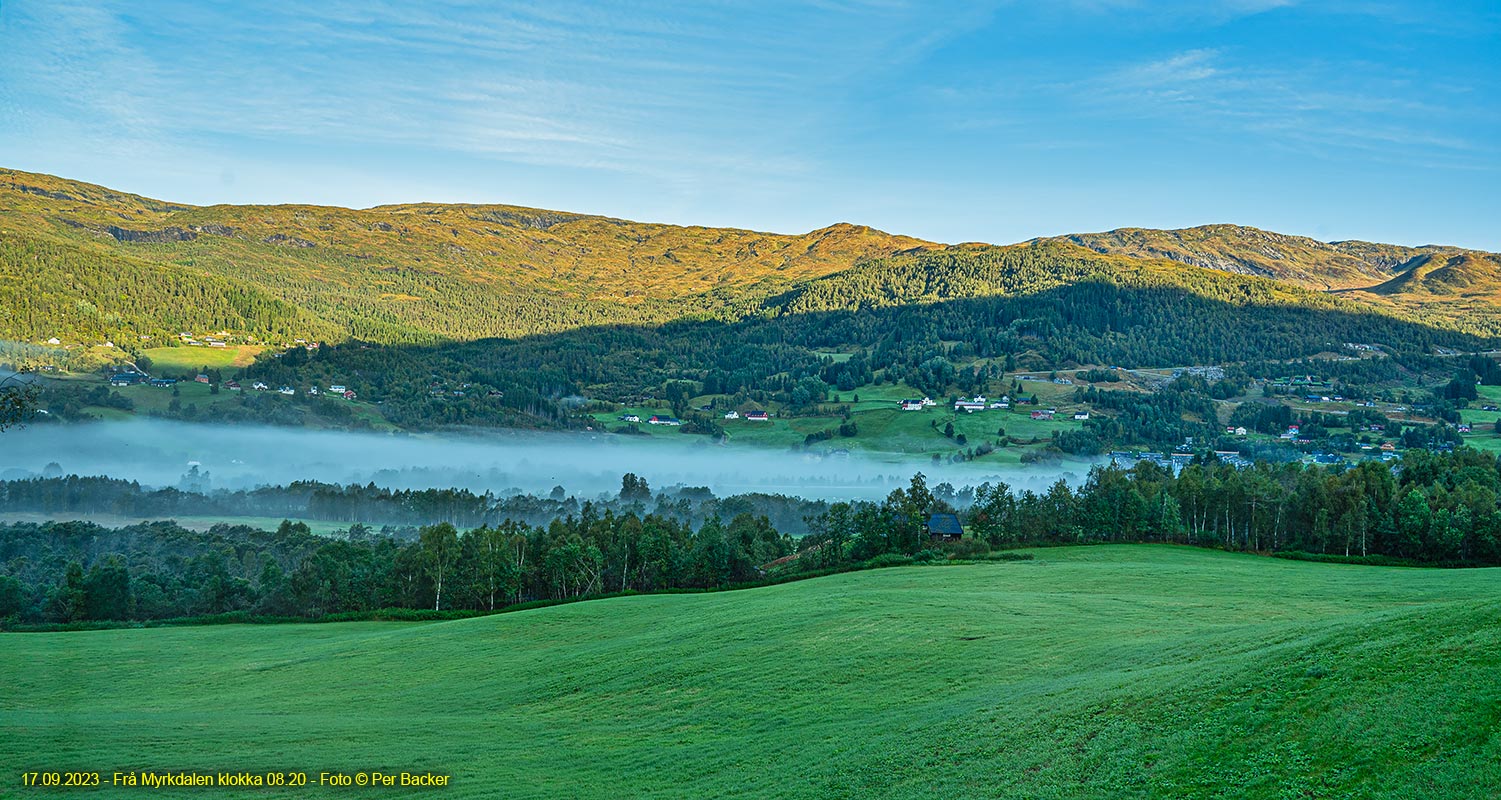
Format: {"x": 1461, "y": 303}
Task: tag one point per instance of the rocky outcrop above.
{"x": 172, "y": 234}
{"x": 287, "y": 241}
{"x": 537, "y": 220}
{"x": 40, "y": 192}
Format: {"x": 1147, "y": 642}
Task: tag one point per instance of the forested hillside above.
{"x": 909, "y": 319}
{"x": 86, "y": 264}
{"x": 1438, "y": 284}
{"x": 1251, "y": 251}
{"x": 406, "y": 273}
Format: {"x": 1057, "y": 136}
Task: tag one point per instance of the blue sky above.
{"x": 1372, "y": 119}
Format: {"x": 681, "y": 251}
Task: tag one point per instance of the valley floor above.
{"x": 1123, "y": 671}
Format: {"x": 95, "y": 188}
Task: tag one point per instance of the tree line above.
{"x": 76, "y": 571}
{"x": 1433, "y": 508}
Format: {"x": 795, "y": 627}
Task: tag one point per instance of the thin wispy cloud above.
{"x": 954, "y": 121}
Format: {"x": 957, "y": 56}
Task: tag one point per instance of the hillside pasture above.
{"x": 179, "y": 360}
{"x": 1112, "y": 671}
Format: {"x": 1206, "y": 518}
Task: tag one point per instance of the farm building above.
{"x": 757, "y": 416}
{"x": 945, "y": 528}
{"x": 657, "y": 419}
{"x": 912, "y": 405}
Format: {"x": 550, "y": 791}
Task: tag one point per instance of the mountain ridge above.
{"x": 89, "y": 263}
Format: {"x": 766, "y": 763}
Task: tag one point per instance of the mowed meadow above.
{"x": 1111, "y": 671}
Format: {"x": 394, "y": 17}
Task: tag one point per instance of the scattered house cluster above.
{"x": 976, "y": 403}
{"x": 1233, "y": 458}
{"x": 1171, "y": 462}
{"x": 917, "y": 405}
{"x": 1043, "y": 413}
{"x": 1235, "y": 431}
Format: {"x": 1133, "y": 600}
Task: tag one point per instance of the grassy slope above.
{"x": 191, "y": 358}
{"x": 106, "y": 264}
{"x": 1109, "y": 671}
{"x": 883, "y": 428}
{"x": 1237, "y": 248}
{"x": 399, "y": 273}
{"x": 1432, "y": 283}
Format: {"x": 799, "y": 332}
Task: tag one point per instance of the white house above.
{"x": 732, "y": 414}
{"x": 1081, "y": 415}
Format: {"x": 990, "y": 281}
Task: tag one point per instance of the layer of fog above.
{"x": 158, "y": 454}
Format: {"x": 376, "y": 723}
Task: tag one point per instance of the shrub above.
{"x": 967, "y": 548}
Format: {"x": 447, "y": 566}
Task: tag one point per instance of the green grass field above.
{"x": 1485, "y": 436}
{"x": 885, "y": 430}
{"x": 1136, "y": 671}
{"x": 178, "y": 359}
